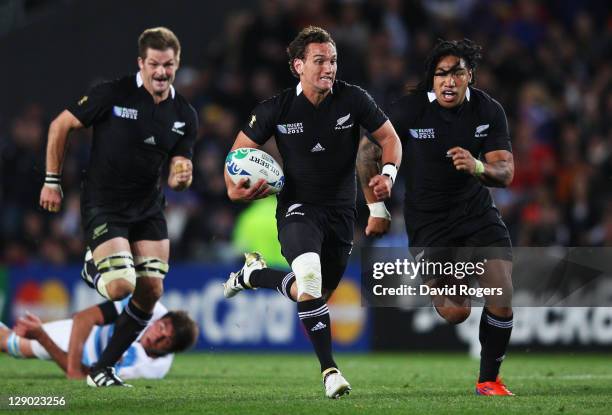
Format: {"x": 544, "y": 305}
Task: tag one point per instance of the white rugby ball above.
{"x": 255, "y": 164}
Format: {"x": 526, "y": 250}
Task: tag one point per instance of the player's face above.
{"x": 450, "y": 81}
{"x": 158, "y": 337}
{"x": 158, "y": 70}
{"x": 318, "y": 68}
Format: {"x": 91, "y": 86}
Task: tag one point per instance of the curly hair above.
{"x": 465, "y": 49}
{"x": 308, "y": 35}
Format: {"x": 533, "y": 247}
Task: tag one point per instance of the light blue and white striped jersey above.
{"x": 135, "y": 363}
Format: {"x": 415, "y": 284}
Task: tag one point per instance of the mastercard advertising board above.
{"x": 253, "y": 320}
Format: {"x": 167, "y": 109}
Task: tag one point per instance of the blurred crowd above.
{"x": 548, "y": 63}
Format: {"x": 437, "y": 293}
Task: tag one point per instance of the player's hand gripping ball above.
{"x": 254, "y": 164}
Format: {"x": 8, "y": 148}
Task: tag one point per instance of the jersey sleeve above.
{"x": 94, "y": 104}
{"x": 184, "y": 147}
{"x": 136, "y": 364}
{"x": 499, "y": 134}
{"x": 369, "y": 115}
{"x": 261, "y": 123}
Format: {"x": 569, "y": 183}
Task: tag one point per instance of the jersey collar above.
{"x": 299, "y": 89}
{"x": 432, "y": 95}
{"x": 139, "y": 83}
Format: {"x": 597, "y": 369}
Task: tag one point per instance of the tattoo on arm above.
{"x": 368, "y": 160}
{"x": 498, "y": 173}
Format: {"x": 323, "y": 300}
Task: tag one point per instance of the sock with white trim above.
{"x": 130, "y": 323}
{"x": 314, "y": 315}
{"x": 273, "y": 279}
{"x": 494, "y": 338}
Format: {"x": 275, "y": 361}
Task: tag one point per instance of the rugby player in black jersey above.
{"x": 456, "y": 142}
{"x": 317, "y": 128}
{"x": 139, "y": 124}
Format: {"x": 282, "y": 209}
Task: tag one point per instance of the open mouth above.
{"x": 160, "y": 81}
{"x": 448, "y": 95}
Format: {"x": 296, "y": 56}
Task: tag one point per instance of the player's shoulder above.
{"x": 183, "y": 106}
{"x": 412, "y": 99}
{"x": 277, "y": 102}
{"x": 114, "y": 88}
{"x": 343, "y": 88}
{"x": 483, "y": 100}
{"x": 127, "y": 83}
{"x": 159, "y": 310}
{"x": 410, "y": 105}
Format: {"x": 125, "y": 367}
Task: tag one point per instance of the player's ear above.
{"x": 298, "y": 65}
{"x": 469, "y": 76}
{"x": 140, "y": 62}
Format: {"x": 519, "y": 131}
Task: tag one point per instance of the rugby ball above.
{"x": 255, "y": 164}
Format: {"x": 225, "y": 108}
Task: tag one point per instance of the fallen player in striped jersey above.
{"x": 76, "y": 344}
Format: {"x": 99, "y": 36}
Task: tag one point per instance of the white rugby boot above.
{"x": 335, "y": 384}
{"x": 252, "y": 261}
{"x": 104, "y": 378}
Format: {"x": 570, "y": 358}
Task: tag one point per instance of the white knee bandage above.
{"x": 148, "y": 266}
{"x": 307, "y": 270}
{"x": 115, "y": 267}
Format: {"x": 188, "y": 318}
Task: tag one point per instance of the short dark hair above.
{"x": 185, "y": 331}
{"x": 308, "y": 35}
{"x": 465, "y": 49}
{"x": 158, "y": 38}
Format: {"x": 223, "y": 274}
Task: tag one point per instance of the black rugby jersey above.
{"x": 318, "y": 144}
{"x": 132, "y": 139}
{"x": 428, "y": 131}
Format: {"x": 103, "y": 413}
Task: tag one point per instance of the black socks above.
{"x": 494, "y": 338}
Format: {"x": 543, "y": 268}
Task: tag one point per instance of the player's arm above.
{"x": 30, "y": 327}
{"x": 369, "y": 157}
{"x": 82, "y": 323}
{"x": 391, "y": 157}
{"x": 51, "y": 193}
{"x": 243, "y": 191}
{"x": 368, "y": 166}
{"x": 181, "y": 173}
{"x": 376, "y": 185}
{"x": 497, "y": 171}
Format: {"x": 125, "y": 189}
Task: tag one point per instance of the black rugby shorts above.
{"x": 326, "y": 230}
{"x": 475, "y": 223}
{"x": 133, "y": 222}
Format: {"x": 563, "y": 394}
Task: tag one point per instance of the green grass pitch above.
{"x": 219, "y": 383}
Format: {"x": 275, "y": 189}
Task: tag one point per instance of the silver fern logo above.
{"x": 481, "y": 131}
{"x": 340, "y": 122}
